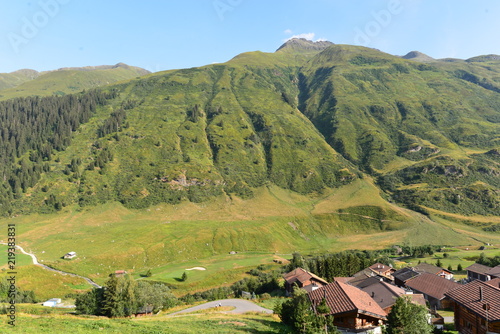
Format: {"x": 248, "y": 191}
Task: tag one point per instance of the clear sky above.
{"x": 167, "y": 34}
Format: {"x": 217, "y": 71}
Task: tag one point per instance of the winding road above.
{"x": 36, "y": 263}
{"x": 240, "y": 305}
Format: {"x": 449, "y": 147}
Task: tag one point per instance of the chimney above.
{"x": 373, "y": 294}
{"x": 480, "y": 293}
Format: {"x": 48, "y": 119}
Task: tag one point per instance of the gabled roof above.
{"x": 469, "y": 297}
{"x": 361, "y": 281}
{"x": 380, "y": 268}
{"x": 301, "y": 275}
{"x": 495, "y": 271}
{"x": 383, "y": 293}
{"x": 342, "y": 298}
{"x": 429, "y": 268}
{"x": 494, "y": 282}
{"x": 405, "y": 274}
{"x": 418, "y": 298}
{"x": 431, "y": 285}
{"x": 478, "y": 268}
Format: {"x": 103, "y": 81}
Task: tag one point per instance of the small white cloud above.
{"x": 308, "y": 36}
{"x": 288, "y": 32}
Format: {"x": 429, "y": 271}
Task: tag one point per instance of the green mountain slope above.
{"x": 64, "y": 81}
{"x": 314, "y": 147}
{"x": 384, "y": 114}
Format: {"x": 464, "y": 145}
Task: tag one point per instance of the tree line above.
{"x": 31, "y": 129}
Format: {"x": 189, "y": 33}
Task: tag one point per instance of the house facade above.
{"x": 433, "y": 288}
{"x": 302, "y": 279}
{"x": 478, "y": 271}
{"x": 354, "y": 311}
{"x": 477, "y": 308}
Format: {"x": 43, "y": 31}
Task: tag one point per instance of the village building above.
{"x": 433, "y": 288}
{"x": 477, "y": 308}
{"x": 432, "y": 269}
{"x": 354, "y": 311}
{"x": 382, "y": 270}
{"x": 119, "y": 273}
{"x": 403, "y": 275}
{"x": 302, "y": 279}
{"x": 384, "y": 294}
{"x": 52, "y": 302}
{"x": 478, "y": 271}
{"x": 69, "y": 255}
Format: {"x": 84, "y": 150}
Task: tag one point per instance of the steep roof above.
{"x": 405, "y": 274}
{"x": 431, "y": 285}
{"x": 343, "y": 298}
{"x": 380, "y": 268}
{"x": 495, "y": 271}
{"x": 383, "y": 293}
{"x": 361, "y": 281}
{"x": 494, "y": 282}
{"x": 429, "y": 268}
{"x": 301, "y": 275}
{"x": 478, "y": 268}
{"x": 469, "y": 297}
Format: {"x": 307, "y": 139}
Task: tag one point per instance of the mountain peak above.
{"x": 417, "y": 56}
{"x": 302, "y": 44}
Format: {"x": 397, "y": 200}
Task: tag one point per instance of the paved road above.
{"x": 241, "y": 306}
{"x": 36, "y": 263}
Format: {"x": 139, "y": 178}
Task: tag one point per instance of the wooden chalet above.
{"x": 433, "y": 288}
{"x": 384, "y": 294}
{"x": 353, "y": 310}
{"x": 382, "y": 270}
{"x": 478, "y": 271}
{"x": 403, "y": 275}
{"x": 302, "y": 279}
{"x": 477, "y": 308}
{"x": 432, "y": 269}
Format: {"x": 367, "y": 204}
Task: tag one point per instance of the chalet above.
{"x": 477, "y": 308}
{"x": 69, "y": 255}
{"x": 353, "y": 310}
{"x": 382, "y": 270}
{"x": 384, "y": 294}
{"x": 494, "y": 272}
{"x": 432, "y": 269}
{"x": 433, "y": 288}
{"x": 478, "y": 271}
{"x": 302, "y": 279}
{"x": 403, "y": 275}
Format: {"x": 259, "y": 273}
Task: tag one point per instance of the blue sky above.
{"x": 165, "y": 34}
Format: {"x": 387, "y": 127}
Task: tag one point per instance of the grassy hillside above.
{"x": 64, "y": 81}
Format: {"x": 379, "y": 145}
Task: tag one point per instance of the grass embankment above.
{"x": 41, "y": 320}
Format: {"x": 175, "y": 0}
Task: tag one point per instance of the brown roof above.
{"x": 469, "y": 297}
{"x": 342, "y": 279}
{"x": 383, "y": 293}
{"x": 478, "y": 268}
{"x": 418, "y": 298}
{"x": 494, "y": 282}
{"x": 301, "y": 275}
{"x": 495, "y": 271}
{"x": 431, "y": 285}
{"x": 380, "y": 268}
{"x": 429, "y": 268}
{"x": 343, "y": 298}
{"x": 405, "y": 274}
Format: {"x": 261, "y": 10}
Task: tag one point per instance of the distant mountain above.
{"x": 418, "y": 56}
{"x": 484, "y": 58}
{"x": 65, "y": 80}
{"x": 302, "y": 44}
